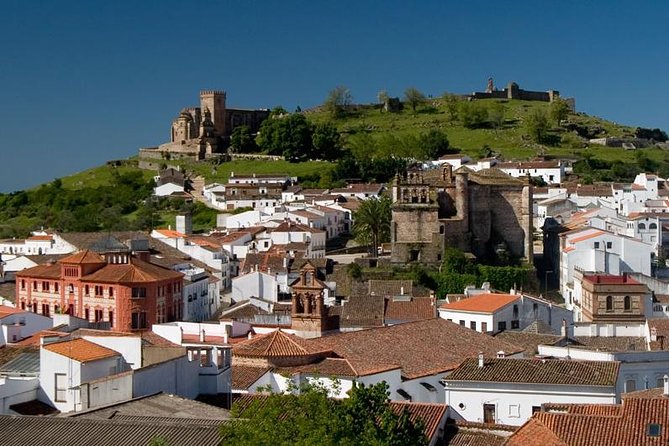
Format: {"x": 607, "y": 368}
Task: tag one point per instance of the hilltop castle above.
{"x": 204, "y": 131}
{"x": 478, "y": 212}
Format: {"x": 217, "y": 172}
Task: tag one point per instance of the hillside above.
{"x": 117, "y": 195}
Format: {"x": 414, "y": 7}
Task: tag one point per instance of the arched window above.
{"x": 628, "y": 303}
{"x": 642, "y": 226}
{"x": 609, "y": 303}
{"x": 652, "y": 226}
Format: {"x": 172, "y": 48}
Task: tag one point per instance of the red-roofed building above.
{"x": 608, "y": 298}
{"x": 116, "y": 288}
{"x": 495, "y": 312}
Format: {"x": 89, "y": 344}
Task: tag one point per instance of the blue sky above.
{"x": 83, "y": 82}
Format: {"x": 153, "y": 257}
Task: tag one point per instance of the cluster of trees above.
{"x": 295, "y": 138}
{"x": 372, "y": 222}
{"x": 592, "y": 169}
{"x": 125, "y": 203}
{"x": 311, "y": 418}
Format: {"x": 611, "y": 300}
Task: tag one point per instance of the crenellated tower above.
{"x": 214, "y": 101}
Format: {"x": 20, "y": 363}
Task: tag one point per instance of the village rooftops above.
{"x": 81, "y": 350}
{"x": 537, "y": 371}
{"x": 609, "y": 279}
{"x": 277, "y": 344}
{"x": 82, "y": 257}
{"x": 136, "y": 271}
{"x": 638, "y": 422}
{"x": 481, "y": 303}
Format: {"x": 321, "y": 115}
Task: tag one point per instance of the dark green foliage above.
{"x": 536, "y": 126}
{"x": 354, "y": 270}
{"x": 288, "y": 136}
{"x": 654, "y": 134}
{"x": 311, "y": 418}
{"x": 559, "y": 110}
{"x": 326, "y": 142}
{"x": 473, "y": 115}
{"x": 434, "y": 144}
{"x": 242, "y": 140}
{"x": 372, "y": 222}
{"x": 338, "y": 101}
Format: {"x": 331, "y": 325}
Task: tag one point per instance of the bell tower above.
{"x": 309, "y": 314}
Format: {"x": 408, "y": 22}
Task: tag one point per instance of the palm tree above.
{"x": 371, "y": 222}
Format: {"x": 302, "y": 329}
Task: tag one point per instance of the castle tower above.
{"x": 214, "y": 101}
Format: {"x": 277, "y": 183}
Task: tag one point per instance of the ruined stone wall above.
{"x": 511, "y": 218}
{"x": 415, "y": 234}
{"x": 252, "y": 118}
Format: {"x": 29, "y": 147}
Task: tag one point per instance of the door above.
{"x": 489, "y": 413}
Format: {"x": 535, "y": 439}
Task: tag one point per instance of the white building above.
{"x": 18, "y": 324}
{"x": 39, "y": 243}
{"x": 508, "y": 391}
{"x": 551, "y": 172}
{"x": 597, "y": 250}
{"x": 492, "y": 312}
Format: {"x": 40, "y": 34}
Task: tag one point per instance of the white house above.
{"x": 493, "y": 312}
{"x": 39, "y": 243}
{"x": 17, "y": 324}
{"x": 260, "y": 284}
{"x": 597, "y": 250}
{"x": 551, "y": 172}
{"x": 508, "y": 391}
{"x": 360, "y": 191}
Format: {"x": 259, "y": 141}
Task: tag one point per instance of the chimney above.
{"x": 250, "y": 335}
{"x": 501, "y": 354}
{"x": 227, "y": 329}
{"x": 401, "y": 291}
{"x": 480, "y": 360}
{"x": 666, "y": 386}
{"x": 563, "y": 328}
{"x": 202, "y": 336}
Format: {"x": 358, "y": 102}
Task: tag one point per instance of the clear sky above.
{"x": 82, "y": 82}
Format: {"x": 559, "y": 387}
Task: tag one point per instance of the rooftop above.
{"x": 538, "y": 371}
{"x": 81, "y": 350}
{"x": 481, "y": 303}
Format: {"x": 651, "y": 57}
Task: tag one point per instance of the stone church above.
{"x": 482, "y": 212}
{"x": 201, "y": 132}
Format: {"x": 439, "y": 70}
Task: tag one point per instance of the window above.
{"x": 56, "y": 288}
{"x": 462, "y": 322}
{"x": 34, "y": 285}
{"x": 60, "y": 381}
{"x": 652, "y": 226}
{"x": 98, "y": 291}
{"x": 111, "y": 318}
{"x": 484, "y": 327}
{"x": 628, "y": 303}
{"x": 87, "y": 290}
{"x": 204, "y": 358}
{"x": 609, "y": 245}
{"x": 111, "y": 292}
{"x": 45, "y": 286}
{"x": 138, "y": 292}
{"x": 501, "y": 326}
{"x": 138, "y": 320}
{"x": 514, "y": 411}
{"x": 489, "y": 413}
{"x": 70, "y": 288}
{"x": 596, "y": 244}
{"x": 536, "y": 409}
{"x": 414, "y": 255}
{"x": 45, "y": 309}
{"x": 23, "y": 284}
{"x": 653, "y": 430}
{"x": 515, "y": 324}
{"x": 535, "y": 309}
{"x": 472, "y": 325}
{"x": 630, "y": 385}
{"x": 609, "y": 303}
{"x": 87, "y": 314}
{"x": 98, "y": 316}
{"x": 515, "y": 311}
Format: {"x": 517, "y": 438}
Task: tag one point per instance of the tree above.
{"x": 433, "y": 144}
{"x": 287, "y": 135}
{"x": 414, "y": 97}
{"x": 242, "y": 141}
{"x": 311, "y": 418}
{"x": 536, "y": 125}
{"x": 559, "y": 110}
{"x": 326, "y": 142}
{"x": 452, "y": 105}
{"x": 337, "y": 101}
{"x": 371, "y": 222}
{"x": 383, "y": 97}
{"x": 496, "y": 115}
{"x": 473, "y": 115}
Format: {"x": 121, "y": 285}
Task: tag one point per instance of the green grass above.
{"x": 509, "y": 140}
{"x": 101, "y": 176}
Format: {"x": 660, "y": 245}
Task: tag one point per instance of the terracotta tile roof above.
{"x": 431, "y": 415}
{"x": 421, "y": 348}
{"x": 414, "y": 309}
{"x": 7, "y": 310}
{"x": 81, "y": 350}
{"x": 276, "y": 344}
{"x": 291, "y": 226}
{"x": 36, "y": 338}
{"x": 137, "y": 271}
{"x": 51, "y": 271}
{"x": 170, "y": 233}
{"x": 594, "y": 191}
{"x": 244, "y": 376}
{"x": 363, "y": 312}
{"x": 336, "y": 367}
{"x": 538, "y": 371}
{"x": 631, "y": 427}
{"x": 82, "y": 257}
{"x": 610, "y": 343}
{"x": 482, "y": 303}
{"x": 661, "y": 329}
{"x": 587, "y": 236}
{"x": 359, "y": 188}
{"x": 528, "y": 341}
{"x": 463, "y": 433}
{"x": 41, "y": 237}
{"x": 584, "y": 409}
{"x": 648, "y": 394}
